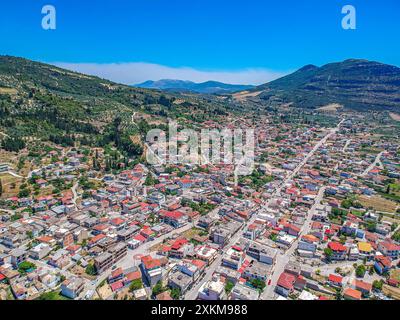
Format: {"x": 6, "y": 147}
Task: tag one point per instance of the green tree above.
{"x": 175, "y": 293}
{"x": 13, "y": 144}
{"x": 371, "y": 226}
{"x": 135, "y": 285}
{"x": 229, "y": 286}
{"x": 16, "y": 217}
{"x": 328, "y": 253}
{"x": 150, "y": 181}
{"x": 360, "y": 271}
{"x": 25, "y": 266}
{"x": 338, "y": 295}
{"x": 371, "y": 270}
{"x": 258, "y": 284}
{"x": 90, "y": 270}
{"x": 273, "y": 236}
{"x": 347, "y": 203}
{"x": 23, "y": 193}
{"x": 377, "y": 285}
{"x": 158, "y": 288}
{"x": 396, "y": 236}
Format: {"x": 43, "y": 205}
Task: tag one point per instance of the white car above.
{"x": 89, "y": 294}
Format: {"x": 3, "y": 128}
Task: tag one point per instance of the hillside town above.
{"x": 317, "y": 219}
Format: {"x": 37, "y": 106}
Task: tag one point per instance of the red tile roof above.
{"x": 390, "y": 246}
{"x": 100, "y": 227}
{"x": 73, "y": 247}
{"x": 336, "y": 246}
{"x": 117, "y": 221}
{"x": 294, "y": 228}
{"x": 150, "y": 263}
{"x": 178, "y": 244}
{"x": 139, "y": 238}
{"x": 116, "y": 273}
{"x": 174, "y": 206}
{"x": 116, "y": 285}
{"x": 186, "y": 181}
{"x": 146, "y": 231}
{"x": 393, "y": 282}
{"x": 172, "y": 214}
{"x": 362, "y": 285}
{"x": 165, "y": 248}
{"x": 309, "y": 238}
{"x": 199, "y": 263}
{"x": 335, "y": 278}
{"x": 45, "y": 239}
{"x": 286, "y": 280}
{"x": 355, "y": 294}
{"x": 97, "y": 238}
{"x": 133, "y": 276}
{"x": 386, "y": 261}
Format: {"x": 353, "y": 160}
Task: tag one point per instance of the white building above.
{"x": 212, "y": 290}
{"x": 242, "y": 292}
{"x": 40, "y": 251}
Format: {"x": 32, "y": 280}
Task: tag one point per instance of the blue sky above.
{"x": 247, "y": 41}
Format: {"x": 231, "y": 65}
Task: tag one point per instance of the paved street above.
{"x": 192, "y": 294}
{"x": 377, "y": 162}
{"x": 129, "y": 260}
{"x": 281, "y": 259}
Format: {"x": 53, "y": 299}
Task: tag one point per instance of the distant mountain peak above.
{"x": 208, "y": 87}
{"x": 353, "y": 60}
{"x": 308, "y": 67}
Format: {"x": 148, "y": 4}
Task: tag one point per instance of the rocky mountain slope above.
{"x": 356, "y": 84}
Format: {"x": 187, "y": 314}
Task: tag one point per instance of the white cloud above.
{"x": 137, "y": 72}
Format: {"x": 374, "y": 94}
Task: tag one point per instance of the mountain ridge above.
{"x": 207, "y": 87}
{"x": 48, "y": 103}
{"x": 355, "y": 83}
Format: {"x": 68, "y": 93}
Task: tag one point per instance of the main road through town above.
{"x": 281, "y": 259}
